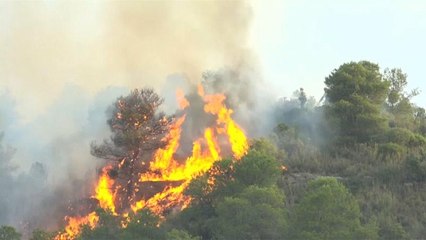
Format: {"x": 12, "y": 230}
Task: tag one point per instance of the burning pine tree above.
{"x": 147, "y": 167}
{"x": 137, "y": 130}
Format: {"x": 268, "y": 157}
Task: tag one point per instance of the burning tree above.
{"x": 137, "y": 129}
{"x": 147, "y": 167}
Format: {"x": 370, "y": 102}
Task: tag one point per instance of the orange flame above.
{"x": 183, "y": 102}
{"x": 74, "y": 225}
{"x": 103, "y": 191}
{"x": 237, "y": 138}
{"x": 164, "y": 167}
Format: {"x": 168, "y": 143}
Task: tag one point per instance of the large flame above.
{"x": 104, "y": 190}
{"x": 165, "y": 168}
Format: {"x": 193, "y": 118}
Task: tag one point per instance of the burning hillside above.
{"x": 153, "y": 158}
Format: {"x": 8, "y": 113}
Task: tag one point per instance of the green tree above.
{"x": 256, "y": 213}
{"x": 356, "y": 93}
{"x": 398, "y": 82}
{"x": 259, "y": 167}
{"x": 9, "y": 233}
{"x": 399, "y": 105}
{"x": 329, "y": 211}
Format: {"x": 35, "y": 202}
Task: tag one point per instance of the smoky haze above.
{"x": 125, "y": 43}
{"x": 63, "y": 63}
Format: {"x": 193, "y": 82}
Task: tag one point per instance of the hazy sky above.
{"x": 299, "y": 42}
{"x": 45, "y": 45}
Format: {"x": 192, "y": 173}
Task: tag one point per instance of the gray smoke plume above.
{"x": 123, "y": 43}
{"x": 63, "y": 63}
{"x": 45, "y": 164}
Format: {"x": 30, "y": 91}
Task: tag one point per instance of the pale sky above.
{"x": 300, "y": 42}
{"x": 45, "y": 45}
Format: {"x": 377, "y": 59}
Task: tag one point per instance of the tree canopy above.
{"x": 356, "y": 93}
{"x": 329, "y": 211}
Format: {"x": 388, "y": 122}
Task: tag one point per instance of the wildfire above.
{"x": 103, "y": 191}
{"x": 206, "y": 150}
{"x": 74, "y": 225}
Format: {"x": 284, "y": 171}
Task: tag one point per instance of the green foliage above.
{"x": 376, "y": 145}
{"x": 398, "y": 81}
{"x": 223, "y": 174}
{"x": 143, "y": 226}
{"x": 256, "y": 213}
{"x": 398, "y": 142}
{"x": 39, "y": 234}
{"x": 329, "y": 211}
{"x": 175, "y": 234}
{"x": 401, "y": 136}
{"x": 257, "y": 168}
{"x": 382, "y": 206}
{"x": 405, "y": 137}
{"x": 368, "y": 134}
{"x": 420, "y": 120}
{"x": 356, "y": 93}
{"x": 9, "y": 233}
{"x": 390, "y": 229}
{"x": 196, "y": 219}
{"x": 356, "y": 79}
{"x": 244, "y": 203}
{"x": 399, "y": 105}
{"x": 265, "y": 146}
{"x": 390, "y": 151}
{"x": 392, "y": 173}
{"x": 416, "y": 168}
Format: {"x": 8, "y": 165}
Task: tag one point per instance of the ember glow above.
{"x": 164, "y": 168}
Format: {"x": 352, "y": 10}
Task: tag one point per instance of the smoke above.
{"x": 247, "y": 94}
{"x": 124, "y": 43}
{"x": 63, "y": 63}
{"x": 45, "y": 164}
